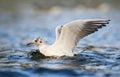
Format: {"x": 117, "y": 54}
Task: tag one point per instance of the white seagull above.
{"x": 68, "y": 35}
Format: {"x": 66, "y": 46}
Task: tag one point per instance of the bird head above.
{"x": 38, "y": 41}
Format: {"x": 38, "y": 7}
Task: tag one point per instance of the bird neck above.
{"x": 43, "y": 47}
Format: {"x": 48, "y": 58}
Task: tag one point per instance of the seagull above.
{"x": 68, "y": 35}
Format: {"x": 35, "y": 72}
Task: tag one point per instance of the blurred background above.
{"x": 23, "y": 20}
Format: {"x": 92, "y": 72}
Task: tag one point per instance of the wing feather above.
{"x": 74, "y": 31}
{"x": 58, "y": 31}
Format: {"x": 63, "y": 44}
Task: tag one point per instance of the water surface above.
{"x": 101, "y": 56}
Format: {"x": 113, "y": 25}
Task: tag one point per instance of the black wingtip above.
{"x": 109, "y": 20}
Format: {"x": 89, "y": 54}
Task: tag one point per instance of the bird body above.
{"x": 68, "y": 35}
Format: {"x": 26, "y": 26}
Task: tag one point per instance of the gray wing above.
{"x": 58, "y": 31}
{"x": 74, "y": 31}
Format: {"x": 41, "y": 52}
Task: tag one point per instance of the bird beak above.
{"x": 30, "y": 43}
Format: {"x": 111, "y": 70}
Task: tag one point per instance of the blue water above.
{"x": 101, "y": 56}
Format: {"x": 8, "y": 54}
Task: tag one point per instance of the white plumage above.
{"x": 68, "y": 35}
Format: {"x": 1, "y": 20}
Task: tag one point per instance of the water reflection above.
{"x": 21, "y": 21}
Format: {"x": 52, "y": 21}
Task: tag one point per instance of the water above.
{"x": 101, "y": 56}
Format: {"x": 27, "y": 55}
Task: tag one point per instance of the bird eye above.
{"x": 35, "y": 40}
{"x": 40, "y": 41}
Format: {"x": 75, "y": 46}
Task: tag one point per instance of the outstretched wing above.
{"x": 74, "y": 31}
{"x": 58, "y": 31}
